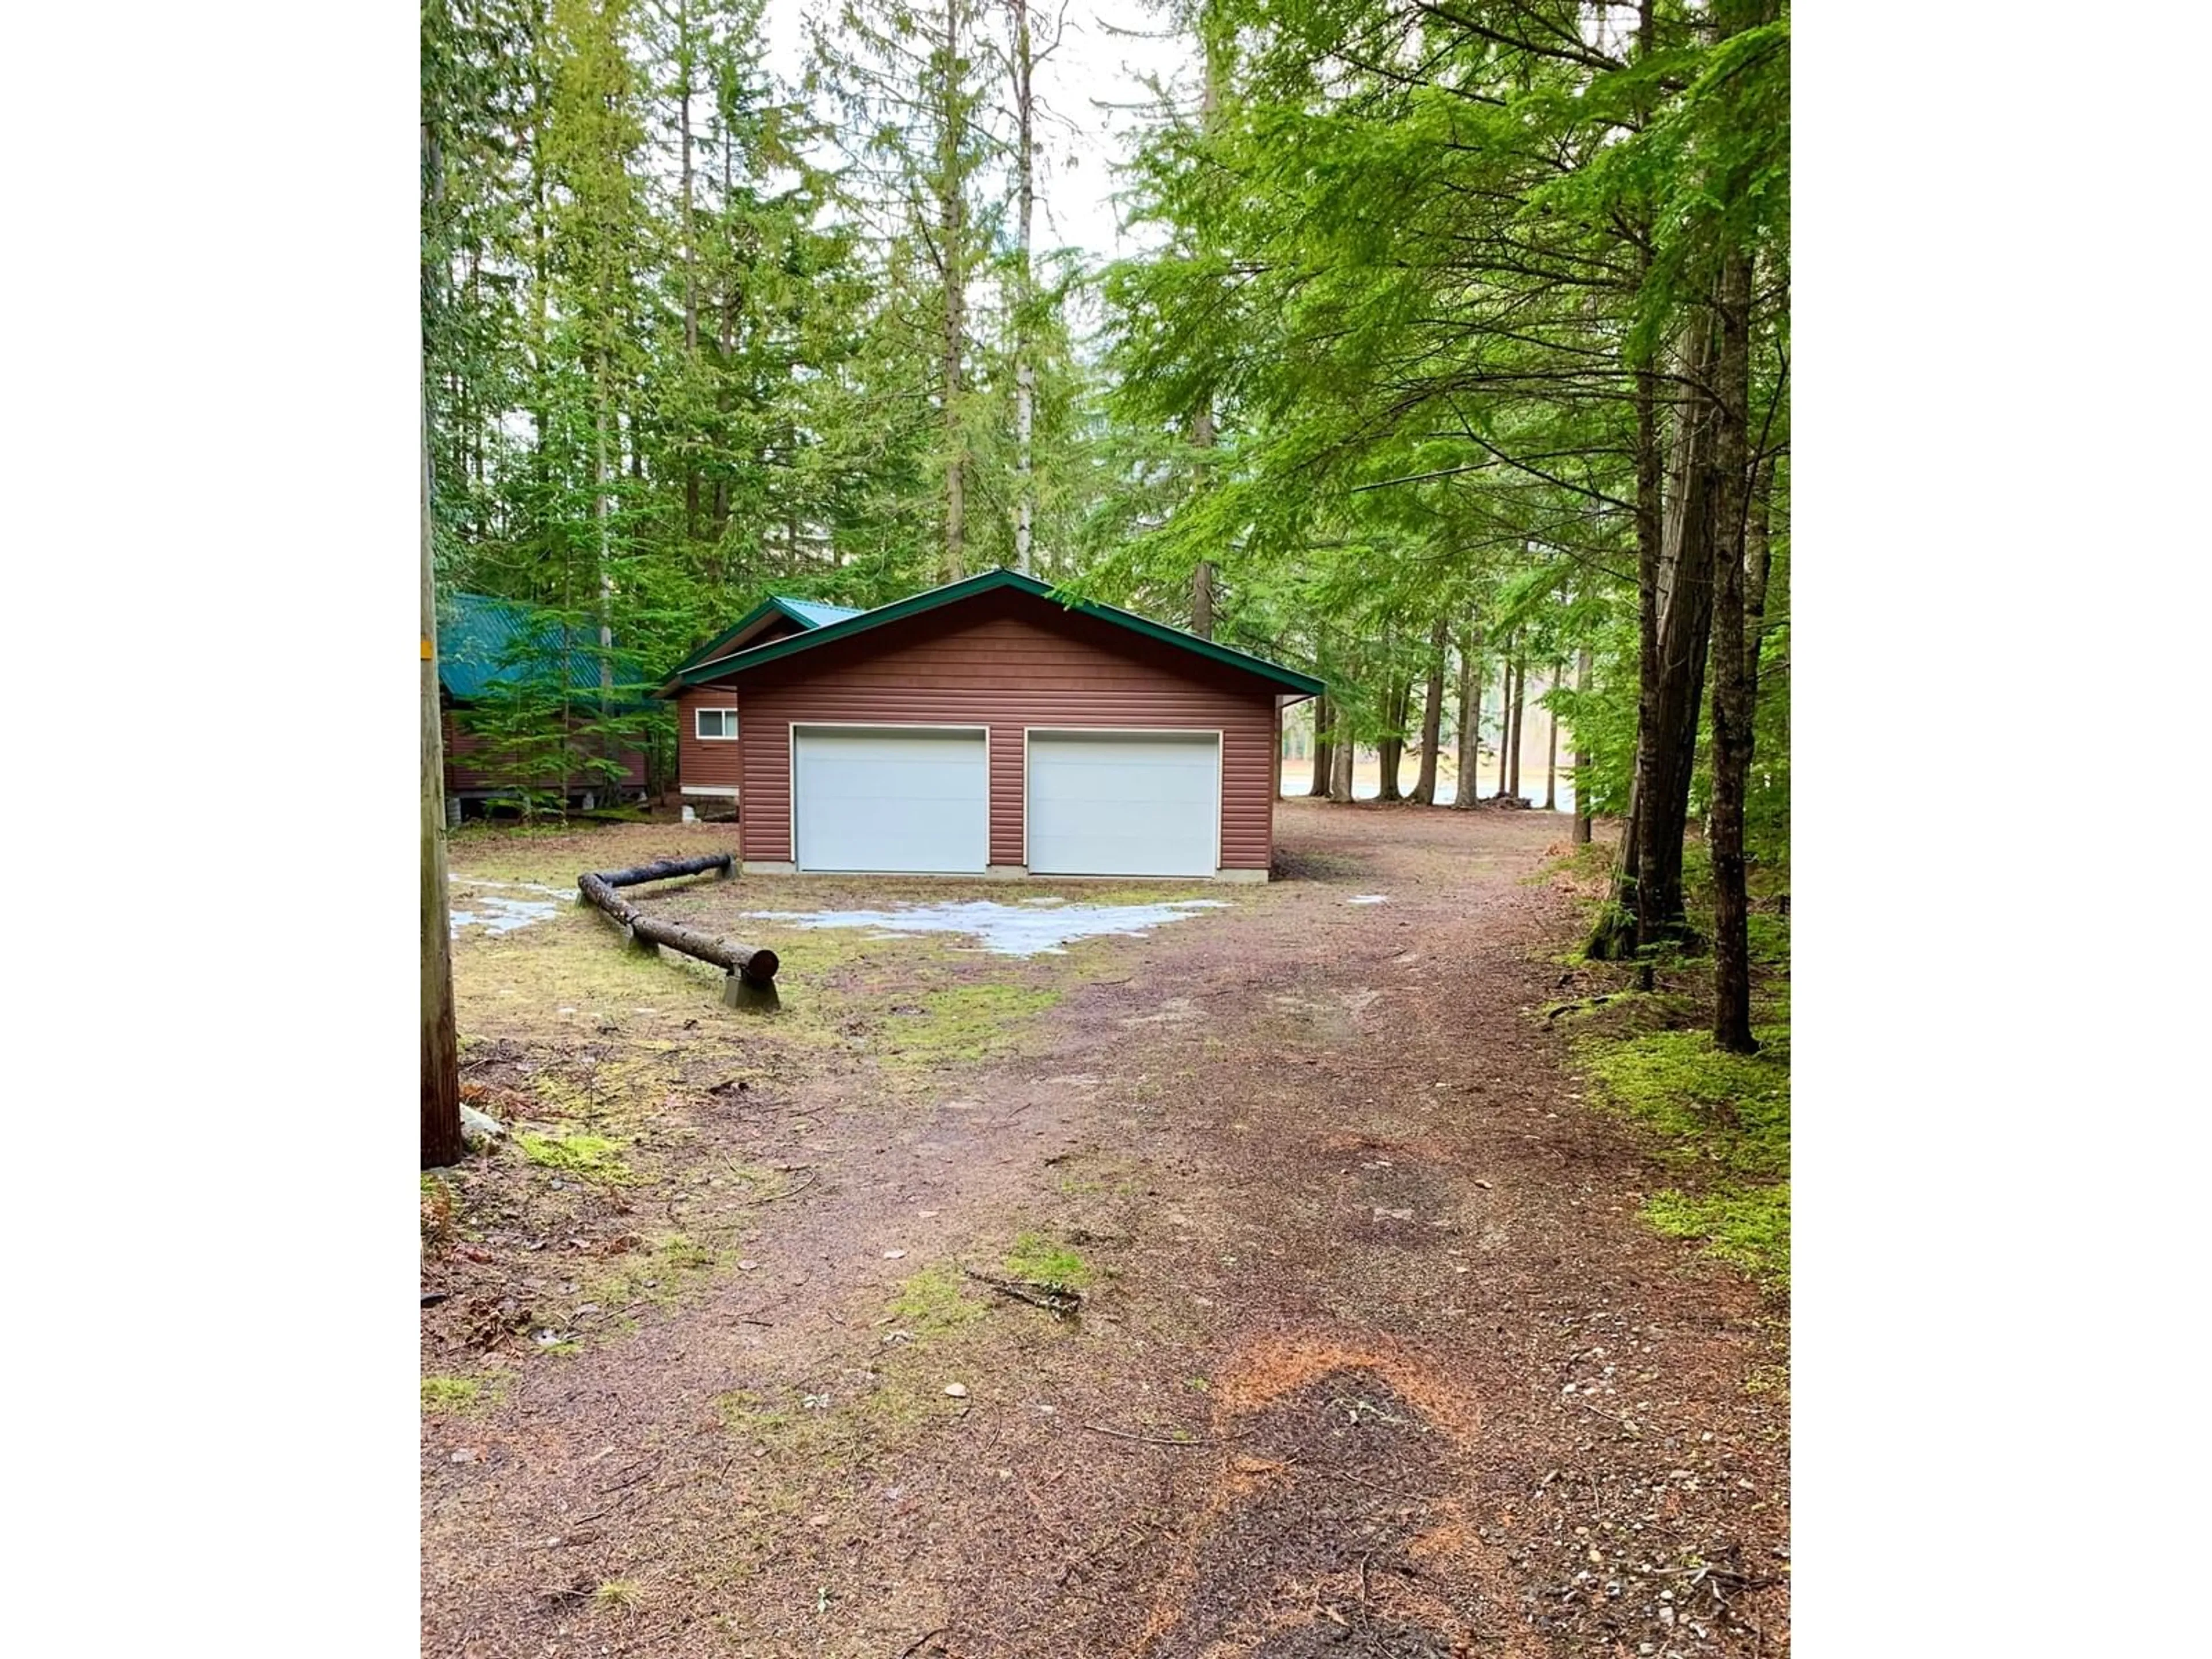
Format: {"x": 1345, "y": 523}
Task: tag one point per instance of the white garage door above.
{"x": 1123, "y": 805}
{"x": 883, "y": 799}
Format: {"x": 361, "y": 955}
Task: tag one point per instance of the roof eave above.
{"x": 1305, "y": 685}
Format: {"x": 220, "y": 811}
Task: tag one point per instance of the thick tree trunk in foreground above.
{"x": 1323, "y": 748}
{"x": 1341, "y": 762}
{"x": 1581, "y": 757}
{"x": 1732, "y": 689}
{"x": 1433, "y": 715}
{"x": 1647, "y": 883}
{"x": 441, "y": 1076}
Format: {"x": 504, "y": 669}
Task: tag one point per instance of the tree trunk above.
{"x": 1509, "y": 766}
{"x": 441, "y": 1077}
{"x": 1551, "y": 742}
{"x": 1025, "y": 369}
{"x": 1340, "y": 761}
{"x": 1323, "y": 754}
{"x": 950, "y": 202}
{"x": 1390, "y": 749}
{"x": 1202, "y": 430}
{"x": 690, "y": 272}
{"x": 1464, "y": 791}
{"x": 1648, "y": 881}
{"x": 1582, "y": 756}
{"x": 1732, "y": 691}
{"x": 1620, "y": 920}
{"x": 1433, "y": 715}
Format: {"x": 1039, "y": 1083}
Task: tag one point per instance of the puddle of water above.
{"x": 1033, "y": 927}
{"x": 1369, "y": 898}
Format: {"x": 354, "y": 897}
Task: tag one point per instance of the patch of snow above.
{"x": 1369, "y": 898}
{"x": 1030, "y": 928}
{"x": 496, "y": 913}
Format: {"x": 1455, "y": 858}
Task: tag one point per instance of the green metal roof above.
{"x": 807, "y": 613}
{"x": 484, "y": 643}
{"x": 953, "y": 592}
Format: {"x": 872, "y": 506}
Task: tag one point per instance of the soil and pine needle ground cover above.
{"x": 1303, "y": 1278}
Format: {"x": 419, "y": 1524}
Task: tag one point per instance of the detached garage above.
{"x": 986, "y": 728}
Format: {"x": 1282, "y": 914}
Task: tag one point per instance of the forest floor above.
{"x": 1374, "y": 1354}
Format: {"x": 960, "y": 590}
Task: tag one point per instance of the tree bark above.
{"x": 1464, "y": 791}
{"x": 1732, "y": 689}
{"x": 1582, "y": 756}
{"x": 1323, "y": 715}
{"x": 951, "y": 204}
{"x": 1433, "y": 715}
{"x": 1024, "y": 368}
{"x": 1390, "y": 750}
{"x": 1340, "y": 761}
{"x": 1509, "y": 766}
{"x": 1620, "y": 919}
{"x": 441, "y": 1077}
{"x": 1551, "y": 742}
{"x": 1202, "y": 430}
{"x": 690, "y": 271}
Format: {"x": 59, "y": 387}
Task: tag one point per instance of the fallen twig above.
{"x": 1159, "y": 1439}
{"x": 1053, "y": 1298}
{"x": 916, "y": 1646}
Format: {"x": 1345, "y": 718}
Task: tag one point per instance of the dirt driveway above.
{"x": 1372, "y": 1354}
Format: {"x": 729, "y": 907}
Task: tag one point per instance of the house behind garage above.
{"x": 988, "y": 727}
{"x": 489, "y": 646}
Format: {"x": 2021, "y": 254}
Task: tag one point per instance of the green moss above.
{"x": 964, "y": 1023}
{"x": 1042, "y": 1261}
{"x": 1711, "y": 1107}
{"x": 1748, "y": 1226}
{"x": 596, "y": 1157}
{"x": 933, "y": 1302}
{"x": 452, "y": 1393}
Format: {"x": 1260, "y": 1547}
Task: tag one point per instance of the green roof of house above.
{"x": 697, "y": 672}
{"x": 483, "y": 643}
{"x": 807, "y": 613}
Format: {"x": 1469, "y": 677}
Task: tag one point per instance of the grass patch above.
{"x": 620, "y": 1596}
{"x": 933, "y": 1302}
{"x": 1711, "y": 1107}
{"x": 1747, "y": 1225}
{"x": 964, "y": 1022}
{"x": 453, "y": 1394}
{"x": 1042, "y": 1261}
{"x": 595, "y": 1158}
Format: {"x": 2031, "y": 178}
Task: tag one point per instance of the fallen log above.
{"x": 666, "y": 869}
{"x": 752, "y": 967}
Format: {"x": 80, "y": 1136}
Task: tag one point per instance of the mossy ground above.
{"x": 1719, "y": 1119}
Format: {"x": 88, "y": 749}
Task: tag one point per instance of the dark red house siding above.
{"x": 706, "y": 762}
{"x": 462, "y": 778}
{"x": 1007, "y": 661}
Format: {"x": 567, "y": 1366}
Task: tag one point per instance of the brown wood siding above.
{"x": 707, "y": 763}
{"x": 1008, "y": 661}
{"x": 462, "y": 778}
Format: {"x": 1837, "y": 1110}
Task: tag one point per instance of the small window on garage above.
{"x": 714, "y": 722}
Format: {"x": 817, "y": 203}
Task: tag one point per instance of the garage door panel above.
{"x": 891, "y": 800}
{"x": 1123, "y": 805}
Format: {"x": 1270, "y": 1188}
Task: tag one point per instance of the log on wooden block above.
{"x": 755, "y": 964}
{"x": 667, "y": 870}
